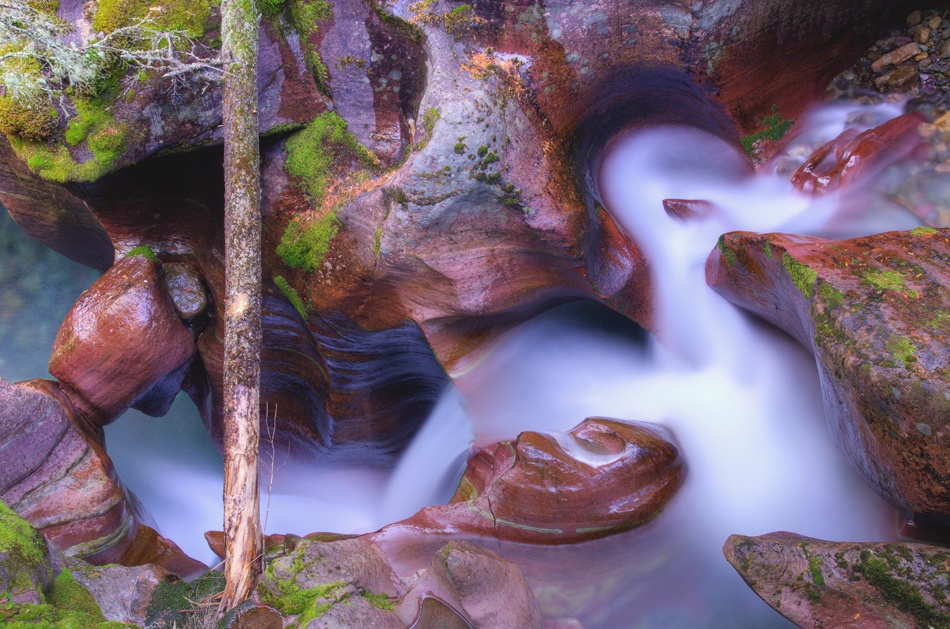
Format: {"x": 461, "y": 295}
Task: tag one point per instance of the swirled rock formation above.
{"x": 874, "y": 311}
{"x": 602, "y": 477}
{"x": 57, "y": 475}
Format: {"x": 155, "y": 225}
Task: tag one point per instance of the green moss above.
{"x": 814, "y": 566}
{"x": 189, "y": 16}
{"x": 23, "y": 548}
{"x": 490, "y": 158}
{"x": 50, "y": 7}
{"x": 768, "y": 251}
{"x": 903, "y": 349}
{"x": 829, "y": 295}
{"x": 270, "y": 9}
{"x": 104, "y": 137}
{"x": 482, "y": 150}
{"x": 775, "y": 128}
{"x": 728, "y": 254}
{"x": 802, "y": 276}
{"x": 379, "y": 601}
{"x": 312, "y": 603}
{"x": 306, "y": 18}
{"x": 292, "y": 295}
{"x": 305, "y": 247}
{"x": 31, "y": 119}
{"x": 920, "y": 231}
{"x": 312, "y": 152}
{"x": 68, "y": 594}
{"x": 172, "y": 601}
{"x": 899, "y": 593}
{"x": 377, "y": 240}
{"x": 461, "y": 16}
{"x": 884, "y": 280}
{"x": 429, "y": 118}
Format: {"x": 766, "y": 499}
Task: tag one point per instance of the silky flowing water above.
{"x": 741, "y": 398}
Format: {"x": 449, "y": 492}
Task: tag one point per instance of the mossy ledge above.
{"x": 305, "y": 246}
{"x": 802, "y": 276}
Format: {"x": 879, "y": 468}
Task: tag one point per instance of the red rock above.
{"x": 686, "y": 210}
{"x": 852, "y": 585}
{"x": 853, "y": 158}
{"x": 533, "y": 490}
{"x": 59, "y": 478}
{"x": 121, "y": 337}
{"x": 873, "y": 311}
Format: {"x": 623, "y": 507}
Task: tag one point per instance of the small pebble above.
{"x": 915, "y": 18}
{"x": 934, "y": 21}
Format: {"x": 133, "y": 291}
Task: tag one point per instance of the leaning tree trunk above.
{"x": 242, "y": 309}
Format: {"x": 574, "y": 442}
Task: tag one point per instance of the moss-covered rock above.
{"x": 874, "y": 311}
{"x": 815, "y": 583}
{"x": 24, "y": 560}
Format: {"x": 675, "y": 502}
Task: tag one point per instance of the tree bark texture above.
{"x": 242, "y": 308}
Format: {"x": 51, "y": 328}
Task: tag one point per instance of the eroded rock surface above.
{"x": 815, "y": 583}
{"x": 874, "y": 311}
{"x": 119, "y": 340}
{"x": 59, "y": 477}
{"x": 602, "y": 477}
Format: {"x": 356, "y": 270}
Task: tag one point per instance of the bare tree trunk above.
{"x": 242, "y": 340}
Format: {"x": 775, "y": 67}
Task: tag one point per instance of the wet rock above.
{"x": 688, "y": 209}
{"x": 874, "y": 312}
{"x": 121, "y": 337}
{"x": 896, "y": 56}
{"x": 481, "y": 587}
{"x": 815, "y": 583}
{"x": 853, "y": 157}
{"x": 915, "y": 17}
{"x": 902, "y": 78}
{"x": 434, "y": 614}
{"x": 186, "y": 288}
{"x": 604, "y": 476}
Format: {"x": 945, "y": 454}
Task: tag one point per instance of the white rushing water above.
{"x": 742, "y": 399}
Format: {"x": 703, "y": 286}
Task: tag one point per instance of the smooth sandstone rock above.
{"x": 874, "y": 311}
{"x": 121, "y": 337}
{"x": 603, "y": 477}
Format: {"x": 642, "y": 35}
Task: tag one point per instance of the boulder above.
{"x": 119, "y": 340}
{"x": 122, "y": 593}
{"x": 874, "y": 311}
{"x": 315, "y": 578}
{"x": 483, "y": 589}
{"x": 857, "y": 585}
{"x": 602, "y": 477}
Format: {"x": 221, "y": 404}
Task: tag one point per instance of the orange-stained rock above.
{"x": 853, "y": 158}
{"x": 121, "y": 338}
{"x": 60, "y": 479}
{"x": 850, "y": 585}
{"x": 876, "y": 313}
{"x": 602, "y": 477}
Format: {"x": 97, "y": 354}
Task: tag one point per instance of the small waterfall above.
{"x": 742, "y": 398}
